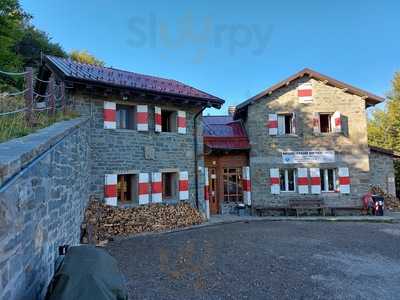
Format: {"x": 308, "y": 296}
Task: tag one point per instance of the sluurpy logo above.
{"x": 201, "y": 32}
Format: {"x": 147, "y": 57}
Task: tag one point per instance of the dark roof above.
{"x": 370, "y": 98}
{"x": 224, "y": 133}
{"x": 72, "y": 70}
{"x": 384, "y": 151}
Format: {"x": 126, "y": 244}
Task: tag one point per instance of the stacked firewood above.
{"x": 391, "y": 202}
{"x": 103, "y": 222}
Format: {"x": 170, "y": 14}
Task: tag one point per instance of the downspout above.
{"x": 196, "y": 162}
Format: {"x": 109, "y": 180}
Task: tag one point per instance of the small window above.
{"x": 127, "y": 188}
{"x": 325, "y": 123}
{"x": 168, "y": 121}
{"x": 328, "y": 180}
{"x": 126, "y": 117}
{"x": 285, "y": 124}
{"x": 169, "y": 185}
{"x": 287, "y": 179}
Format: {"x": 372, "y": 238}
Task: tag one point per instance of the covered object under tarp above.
{"x": 87, "y": 272}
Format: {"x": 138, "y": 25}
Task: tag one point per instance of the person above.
{"x": 368, "y": 203}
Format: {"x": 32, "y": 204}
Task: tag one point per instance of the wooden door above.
{"x": 212, "y": 179}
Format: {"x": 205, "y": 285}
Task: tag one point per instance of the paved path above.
{"x": 265, "y": 260}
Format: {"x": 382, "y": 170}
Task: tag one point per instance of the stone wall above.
{"x": 43, "y": 194}
{"x": 382, "y": 171}
{"x": 123, "y": 151}
{"x": 351, "y": 148}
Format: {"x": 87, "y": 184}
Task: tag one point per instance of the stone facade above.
{"x": 128, "y": 151}
{"x": 382, "y": 171}
{"x": 351, "y": 147}
{"x": 43, "y": 194}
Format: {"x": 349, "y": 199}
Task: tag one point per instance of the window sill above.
{"x": 328, "y": 134}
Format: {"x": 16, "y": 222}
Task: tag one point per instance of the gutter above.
{"x": 196, "y": 162}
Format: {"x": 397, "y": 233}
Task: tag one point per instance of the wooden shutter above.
{"x": 143, "y": 188}
{"x": 274, "y": 181}
{"x": 344, "y": 180}
{"x": 157, "y": 119}
{"x": 272, "y": 124}
{"x": 305, "y": 92}
{"x": 110, "y": 189}
{"x": 109, "y": 114}
{"x": 246, "y": 186}
{"x": 336, "y": 122}
{"x": 316, "y": 126}
{"x": 142, "y": 117}
{"x": 315, "y": 181}
{"x": 156, "y": 188}
{"x": 302, "y": 180}
{"x": 183, "y": 185}
{"x": 294, "y": 121}
{"x": 181, "y": 122}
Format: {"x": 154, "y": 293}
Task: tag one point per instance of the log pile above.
{"x": 102, "y": 222}
{"x": 391, "y": 202}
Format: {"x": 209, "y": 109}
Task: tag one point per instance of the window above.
{"x": 126, "y": 116}
{"x": 325, "y": 123}
{"x": 328, "y": 180}
{"x": 285, "y": 124}
{"x": 287, "y": 179}
{"x": 127, "y": 188}
{"x": 233, "y": 191}
{"x": 169, "y": 185}
{"x": 168, "y": 121}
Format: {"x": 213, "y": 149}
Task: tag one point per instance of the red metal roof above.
{"x": 110, "y": 76}
{"x": 222, "y": 132}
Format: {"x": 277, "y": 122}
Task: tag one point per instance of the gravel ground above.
{"x": 264, "y": 260}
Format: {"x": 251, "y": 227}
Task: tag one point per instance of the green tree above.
{"x": 384, "y": 126}
{"x": 12, "y": 19}
{"x": 84, "y": 56}
{"x": 33, "y": 43}
{"x": 21, "y": 43}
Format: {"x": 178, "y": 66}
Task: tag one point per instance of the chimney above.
{"x": 231, "y": 110}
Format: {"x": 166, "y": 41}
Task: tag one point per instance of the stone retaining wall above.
{"x": 43, "y": 193}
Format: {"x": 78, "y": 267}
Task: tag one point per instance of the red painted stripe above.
{"x": 338, "y": 121}
{"x": 181, "y": 122}
{"x": 246, "y": 185}
{"x": 302, "y": 181}
{"x": 183, "y": 185}
{"x": 156, "y": 187}
{"x": 109, "y": 115}
{"x": 315, "y": 180}
{"x": 143, "y": 188}
{"x": 344, "y": 180}
{"x": 274, "y": 180}
{"x": 272, "y": 124}
{"x": 304, "y": 93}
{"x": 110, "y": 190}
{"x": 206, "y": 195}
{"x": 142, "y": 117}
{"x": 158, "y": 119}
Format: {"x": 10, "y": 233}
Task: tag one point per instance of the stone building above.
{"x": 145, "y": 132}
{"x": 308, "y": 140}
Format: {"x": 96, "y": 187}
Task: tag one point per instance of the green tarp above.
{"x": 87, "y": 272}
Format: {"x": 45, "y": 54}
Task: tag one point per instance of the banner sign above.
{"x": 302, "y": 157}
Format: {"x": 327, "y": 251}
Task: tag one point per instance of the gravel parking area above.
{"x": 260, "y": 260}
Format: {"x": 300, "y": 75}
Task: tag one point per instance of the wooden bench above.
{"x": 305, "y": 204}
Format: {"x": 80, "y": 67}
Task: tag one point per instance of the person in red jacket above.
{"x": 368, "y": 203}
